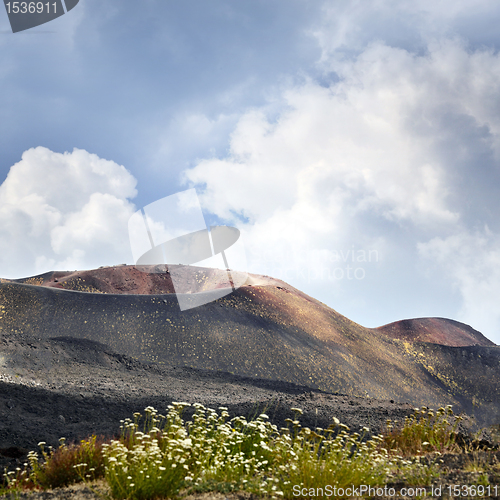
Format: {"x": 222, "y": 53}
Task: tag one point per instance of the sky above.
{"x": 355, "y": 144}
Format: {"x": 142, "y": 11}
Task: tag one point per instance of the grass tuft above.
{"x": 423, "y": 432}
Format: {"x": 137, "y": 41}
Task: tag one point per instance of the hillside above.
{"x": 436, "y": 331}
{"x": 265, "y": 329}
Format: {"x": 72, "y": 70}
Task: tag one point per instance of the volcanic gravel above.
{"x": 72, "y": 388}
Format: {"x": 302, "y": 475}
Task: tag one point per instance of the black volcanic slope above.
{"x": 270, "y": 331}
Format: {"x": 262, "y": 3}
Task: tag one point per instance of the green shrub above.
{"x": 168, "y": 454}
{"x": 317, "y": 459}
{"x": 424, "y": 431}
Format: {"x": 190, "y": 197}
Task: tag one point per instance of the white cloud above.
{"x": 382, "y": 159}
{"x": 64, "y": 211}
{"x": 472, "y": 262}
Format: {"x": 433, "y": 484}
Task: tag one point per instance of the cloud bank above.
{"x": 64, "y": 211}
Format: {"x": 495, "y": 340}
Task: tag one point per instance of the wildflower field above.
{"x": 163, "y": 456}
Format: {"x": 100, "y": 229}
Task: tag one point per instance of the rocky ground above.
{"x": 65, "y": 387}
{"x": 72, "y": 388}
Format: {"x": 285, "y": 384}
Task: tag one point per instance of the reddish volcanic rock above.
{"x": 436, "y": 331}
{"x": 127, "y": 279}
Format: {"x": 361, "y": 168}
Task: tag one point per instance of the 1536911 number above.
{"x": 473, "y": 491}
{"x": 31, "y": 7}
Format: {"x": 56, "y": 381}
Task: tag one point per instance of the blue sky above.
{"x": 355, "y": 143}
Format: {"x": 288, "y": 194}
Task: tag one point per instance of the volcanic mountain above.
{"x": 265, "y": 329}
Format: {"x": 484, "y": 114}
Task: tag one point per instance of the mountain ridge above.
{"x": 126, "y": 279}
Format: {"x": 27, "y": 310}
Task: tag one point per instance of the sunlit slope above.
{"x": 436, "y": 331}
{"x": 126, "y": 279}
{"x": 267, "y": 331}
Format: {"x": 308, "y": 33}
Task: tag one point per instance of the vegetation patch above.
{"x": 163, "y": 456}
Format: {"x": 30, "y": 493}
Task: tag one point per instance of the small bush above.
{"x": 66, "y": 465}
{"x": 168, "y": 454}
{"x": 315, "y": 459}
{"x": 424, "y": 431}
